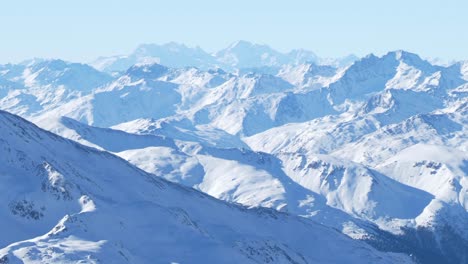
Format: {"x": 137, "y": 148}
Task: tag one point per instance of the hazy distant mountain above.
{"x": 239, "y": 55}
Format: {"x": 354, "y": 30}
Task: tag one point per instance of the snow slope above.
{"x": 64, "y": 202}
{"x": 342, "y": 195}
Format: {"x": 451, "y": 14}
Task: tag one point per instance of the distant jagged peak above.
{"x": 300, "y": 56}
{"x": 40, "y": 72}
{"x": 396, "y": 69}
{"x": 37, "y": 63}
{"x": 393, "y": 58}
{"x": 302, "y": 52}
{"x": 370, "y": 56}
{"x": 411, "y": 59}
{"x": 248, "y": 54}
{"x": 244, "y": 44}
{"x": 54, "y": 64}
{"x": 239, "y": 55}
{"x": 438, "y": 61}
{"x": 32, "y": 61}
{"x": 150, "y": 48}
{"x": 339, "y": 62}
{"x": 402, "y": 54}
{"x": 390, "y": 62}
{"x": 373, "y": 63}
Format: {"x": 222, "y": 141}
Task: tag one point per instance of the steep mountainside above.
{"x": 64, "y": 202}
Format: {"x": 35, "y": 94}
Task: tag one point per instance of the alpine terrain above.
{"x": 172, "y": 154}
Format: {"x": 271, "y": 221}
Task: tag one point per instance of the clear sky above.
{"x": 81, "y": 30}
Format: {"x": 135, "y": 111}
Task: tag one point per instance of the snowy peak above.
{"x": 241, "y": 45}
{"x": 247, "y": 55}
{"x": 308, "y": 75}
{"x": 61, "y": 73}
{"x": 340, "y": 62}
{"x": 410, "y": 59}
{"x": 419, "y": 75}
{"x": 395, "y": 70}
{"x": 243, "y": 54}
{"x": 171, "y": 54}
{"x": 174, "y": 54}
{"x": 153, "y": 49}
{"x": 43, "y": 85}
{"x": 365, "y": 76}
{"x": 299, "y": 56}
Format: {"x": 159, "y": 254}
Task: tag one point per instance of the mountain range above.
{"x": 241, "y": 55}
{"x": 243, "y": 155}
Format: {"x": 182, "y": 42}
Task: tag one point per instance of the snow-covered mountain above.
{"x": 243, "y": 54}
{"x": 56, "y": 73}
{"x": 170, "y": 54}
{"x": 375, "y": 149}
{"x": 407, "y": 120}
{"x": 64, "y": 202}
{"x": 240, "y": 55}
{"x": 40, "y": 85}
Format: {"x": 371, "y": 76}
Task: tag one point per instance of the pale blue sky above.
{"x": 81, "y": 30}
